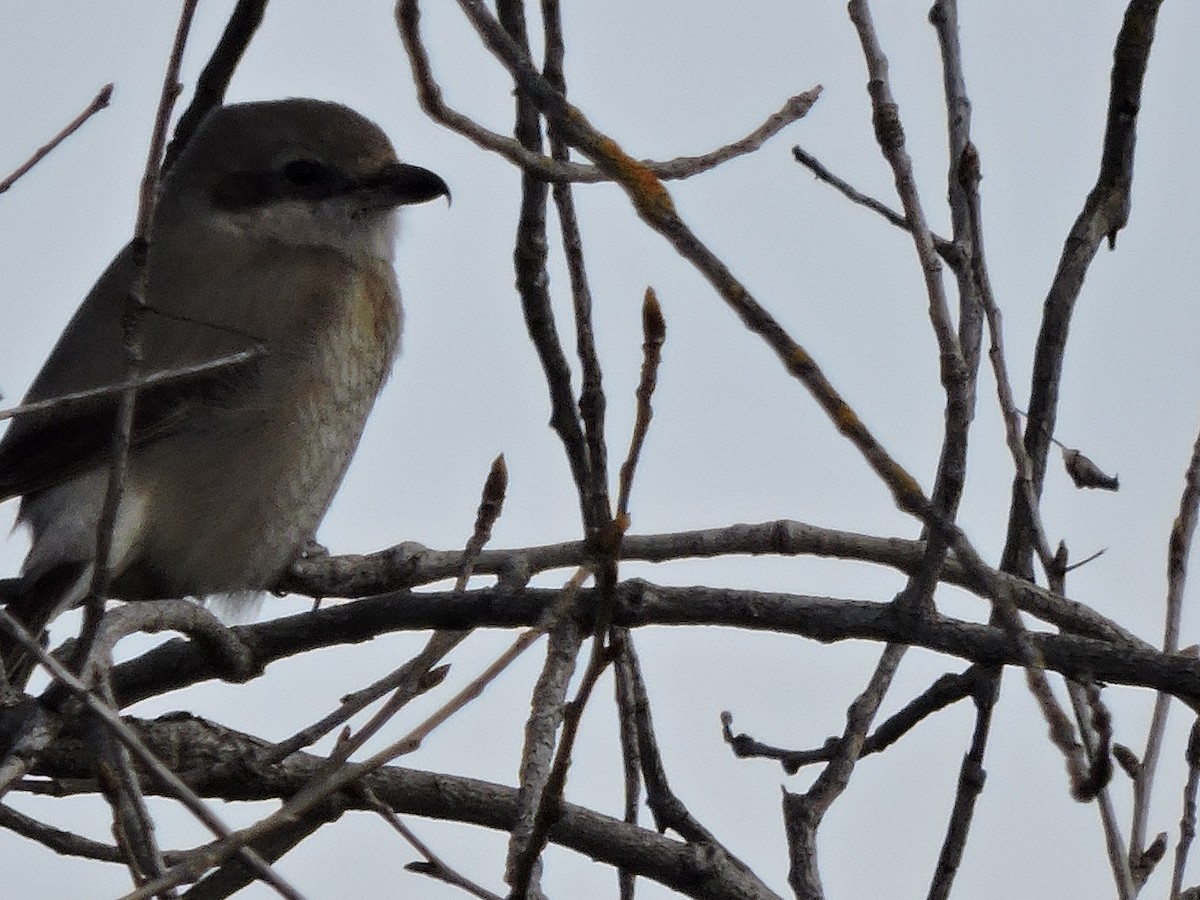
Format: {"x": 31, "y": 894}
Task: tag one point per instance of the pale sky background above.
{"x": 734, "y": 439}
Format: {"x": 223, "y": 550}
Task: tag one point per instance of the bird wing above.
{"x": 41, "y": 449}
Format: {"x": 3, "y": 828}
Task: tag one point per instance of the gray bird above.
{"x": 274, "y": 229}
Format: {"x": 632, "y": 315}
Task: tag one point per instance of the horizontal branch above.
{"x": 411, "y": 565}
{"x": 218, "y": 762}
{"x": 178, "y": 663}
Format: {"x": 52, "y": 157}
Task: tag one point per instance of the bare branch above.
{"x": 1104, "y": 213}
{"x": 803, "y": 812}
{"x": 946, "y": 691}
{"x": 1179, "y": 549}
{"x": 214, "y": 79}
{"x": 971, "y": 777}
{"x": 1095, "y": 727}
{"x": 654, "y": 334}
{"x": 133, "y": 311}
{"x": 944, "y": 247}
{"x": 170, "y": 782}
{"x": 99, "y": 102}
{"x": 409, "y": 565}
{"x": 194, "y": 743}
{"x": 154, "y": 379}
{"x": 1187, "y": 821}
{"x": 433, "y": 866}
{"x": 560, "y": 171}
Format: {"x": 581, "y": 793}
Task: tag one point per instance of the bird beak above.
{"x": 401, "y": 184}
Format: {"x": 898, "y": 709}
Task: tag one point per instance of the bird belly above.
{"x": 261, "y": 473}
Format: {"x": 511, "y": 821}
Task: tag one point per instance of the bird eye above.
{"x": 305, "y": 172}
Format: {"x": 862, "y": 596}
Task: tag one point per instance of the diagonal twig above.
{"x": 99, "y": 102}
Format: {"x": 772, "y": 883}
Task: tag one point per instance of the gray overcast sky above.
{"x": 734, "y": 440}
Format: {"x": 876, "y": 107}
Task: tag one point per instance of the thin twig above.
{"x": 154, "y": 379}
{"x": 132, "y": 826}
{"x": 525, "y": 853}
{"x": 111, "y": 720}
{"x": 958, "y": 379}
{"x": 821, "y": 172}
{"x": 417, "y": 675}
{"x": 668, "y": 810}
{"x": 529, "y": 260}
{"x": 1096, "y": 733}
{"x": 99, "y": 102}
{"x": 890, "y": 135}
{"x": 539, "y": 789}
{"x": 64, "y": 843}
{"x": 631, "y": 758}
{"x": 654, "y": 333}
{"x": 946, "y": 691}
{"x": 433, "y": 866}
{"x": 491, "y": 504}
{"x": 1187, "y": 819}
{"x": 803, "y": 813}
{"x": 592, "y": 402}
{"x": 971, "y": 778}
{"x": 1183, "y": 531}
{"x": 547, "y": 168}
{"x": 133, "y": 311}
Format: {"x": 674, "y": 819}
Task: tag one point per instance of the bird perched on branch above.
{"x": 273, "y": 233}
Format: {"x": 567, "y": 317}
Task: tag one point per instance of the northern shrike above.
{"x": 274, "y": 229}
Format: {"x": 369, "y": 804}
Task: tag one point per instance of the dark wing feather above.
{"x": 45, "y": 448}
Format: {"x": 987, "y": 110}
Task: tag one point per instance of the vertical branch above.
{"x": 529, "y": 259}
{"x": 1179, "y": 549}
{"x": 668, "y": 810}
{"x": 654, "y": 335}
{"x": 214, "y": 79}
{"x": 957, "y": 378}
{"x": 889, "y": 132}
{"x": 944, "y": 17}
{"x": 1095, "y": 729}
{"x": 1104, "y": 213}
{"x": 543, "y": 782}
{"x": 971, "y": 777}
{"x": 591, "y": 395}
{"x": 971, "y": 274}
{"x": 631, "y": 758}
{"x": 133, "y": 827}
{"x": 134, "y": 310}
{"x": 541, "y": 777}
{"x": 974, "y": 281}
{"x": 1187, "y": 821}
{"x": 803, "y": 812}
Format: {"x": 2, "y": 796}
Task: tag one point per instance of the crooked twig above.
{"x": 551, "y": 170}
